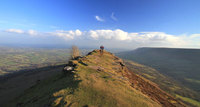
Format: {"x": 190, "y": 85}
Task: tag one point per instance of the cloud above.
{"x": 67, "y": 35}
{"x": 142, "y": 38}
{"x": 125, "y": 39}
{"x": 109, "y": 34}
{"x": 99, "y": 18}
{"x": 159, "y": 38}
{"x": 113, "y": 17}
{"x": 117, "y": 38}
{"x": 195, "y": 35}
{"x": 15, "y": 31}
{"x": 120, "y": 39}
{"x": 32, "y": 32}
{"x": 19, "y": 31}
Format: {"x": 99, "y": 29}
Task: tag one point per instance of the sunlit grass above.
{"x": 194, "y": 102}
{"x": 87, "y": 87}
{"x": 192, "y": 80}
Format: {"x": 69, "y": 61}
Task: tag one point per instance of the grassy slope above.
{"x": 182, "y": 65}
{"x": 13, "y": 85}
{"x": 164, "y": 82}
{"x": 98, "y": 84}
{"x": 194, "y": 102}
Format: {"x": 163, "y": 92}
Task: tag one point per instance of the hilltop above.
{"x": 95, "y": 80}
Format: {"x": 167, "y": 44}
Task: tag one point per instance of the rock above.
{"x": 68, "y": 68}
{"x": 122, "y": 64}
{"x": 78, "y": 57}
{"x": 81, "y": 62}
{"x": 73, "y": 71}
{"x": 71, "y": 63}
{"x": 94, "y": 51}
{"x": 89, "y": 53}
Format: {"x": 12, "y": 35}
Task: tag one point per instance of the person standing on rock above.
{"x": 101, "y": 50}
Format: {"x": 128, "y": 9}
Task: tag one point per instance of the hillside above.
{"x": 96, "y": 81}
{"x": 14, "y": 84}
{"x": 166, "y": 83}
{"x": 179, "y": 66}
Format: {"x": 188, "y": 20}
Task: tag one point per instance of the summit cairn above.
{"x": 69, "y": 68}
{"x": 75, "y": 52}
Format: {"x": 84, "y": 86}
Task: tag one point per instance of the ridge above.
{"x": 95, "y": 80}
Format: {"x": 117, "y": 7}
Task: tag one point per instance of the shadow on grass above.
{"x": 43, "y": 93}
{"x": 28, "y": 71}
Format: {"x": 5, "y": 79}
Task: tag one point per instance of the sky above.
{"x": 89, "y": 23}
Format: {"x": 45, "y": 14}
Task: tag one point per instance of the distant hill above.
{"x": 93, "y": 81}
{"x": 181, "y": 65}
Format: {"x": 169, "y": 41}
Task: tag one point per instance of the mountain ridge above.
{"x": 95, "y": 80}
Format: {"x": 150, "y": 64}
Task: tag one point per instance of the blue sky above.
{"x": 179, "y": 18}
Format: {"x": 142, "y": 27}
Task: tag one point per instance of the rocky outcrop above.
{"x": 69, "y": 68}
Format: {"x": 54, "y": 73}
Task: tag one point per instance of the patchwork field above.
{"x": 16, "y": 59}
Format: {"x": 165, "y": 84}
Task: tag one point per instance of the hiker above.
{"x": 101, "y": 50}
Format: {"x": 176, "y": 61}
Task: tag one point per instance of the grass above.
{"x": 42, "y": 93}
{"x": 2, "y": 72}
{"x": 192, "y": 80}
{"x": 87, "y": 87}
{"x": 96, "y": 89}
{"x": 186, "y": 99}
{"x": 12, "y": 60}
{"x": 14, "y": 84}
{"x": 181, "y": 65}
{"x": 166, "y": 83}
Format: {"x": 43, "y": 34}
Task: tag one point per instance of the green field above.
{"x": 16, "y": 59}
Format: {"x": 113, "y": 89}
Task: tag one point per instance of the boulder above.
{"x": 68, "y": 68}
